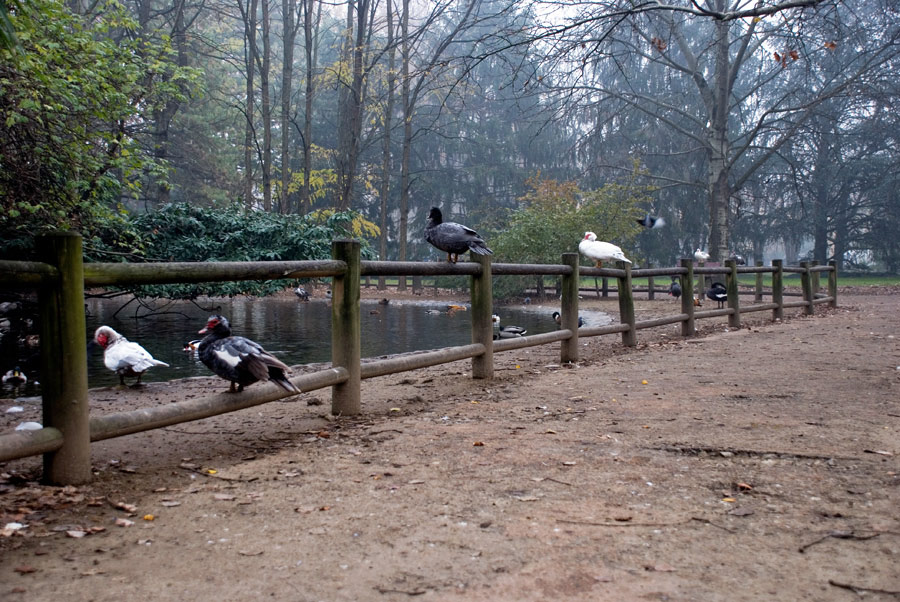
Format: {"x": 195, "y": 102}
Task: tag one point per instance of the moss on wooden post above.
{"x": 568, "y": 351}
{"x": 482, "y": 310}
{"x": 64, "y": 381}
{"x": 626, "y": 306}
{"x": 687, "y": 297}
{"x": 778, "y": 289}
{"x": 345, "y": 328}
{"x": 758, "y": 294}
{"x": 832, "y": 283}
{"x": 806, "y": 282}
{"x": 731, "y": 289}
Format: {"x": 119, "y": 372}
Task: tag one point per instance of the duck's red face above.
{"x": 212, "y": 323}
{"x": 102, "y": 339}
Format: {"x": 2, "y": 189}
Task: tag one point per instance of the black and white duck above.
{"x": 238, "y": 359}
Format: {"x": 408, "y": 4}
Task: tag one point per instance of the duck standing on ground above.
{"x": 718, "y": 293}
{"x": 301, "y": 293}
{"x": 124, "y": 357}
{"x": 453, "y": 238}
{"x": 600, "y": 251}
{"x": 238, "y": 359}
{"x": 675, "y": 289}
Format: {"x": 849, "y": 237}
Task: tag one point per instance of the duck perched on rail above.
{"x": 453, "y": 238}
{"x": 238, "y": 359}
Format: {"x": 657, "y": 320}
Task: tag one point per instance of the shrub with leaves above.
{"x": 553, "y": 219}
{"x": 184, "y": 232}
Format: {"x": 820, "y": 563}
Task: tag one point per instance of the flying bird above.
{"x": 675, "y": 289}
{"x": 717, "y": 293}
{"x": 650, "y": 221}
{"x": 453, "y": 238}
{"x": 600, "y": 251}
{"x": 700, "y": 256}
{"x": 124, "y": 357}
{"x": 238, "y": 359}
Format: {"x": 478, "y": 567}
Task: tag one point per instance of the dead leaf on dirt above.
{"x": 478, "y": 444}
{"x": 170, "y": 503}
{"x": 227, "y": 497}
{"x": 76, "y": 534}
{"x": 550, "y": 432}
{"x": 124, "y": 506}
{"x": 661, "y": 568}
{"x": 744, "y": 486}
{"x": 728, "y": 499}
{"x": 245, "y": 553}
{"x": 124, "y": 522}
{"x": 24, "y": 570}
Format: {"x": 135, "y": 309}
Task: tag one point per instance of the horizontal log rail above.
{"x": 60, "y": 280}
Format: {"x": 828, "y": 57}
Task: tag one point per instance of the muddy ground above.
{"x": 751, "y": 464}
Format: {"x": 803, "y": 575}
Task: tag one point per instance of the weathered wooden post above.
{"x": 806, "y": 282}
{"x": 626, "y": 305}
{"x": 482, "y": 310}
{"x": 568, "y": 351}
{"x": 701, "y": 281}
{"x": 731, "y": 289}
{"x": 604, "y": 287}
{"x": 758, "y": 295}
{"x": 651, "y": 294}
{"x": 778, "y": 289}
{"x": 687, "y": 297}
{"x": 832, "y": 283}
{"x": 345, "y": 328}
{"x": 64, "y": 380}
{"x": 814, "y": 278}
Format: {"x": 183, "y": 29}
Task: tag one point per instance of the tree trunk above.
{"x": 266, "y": 106}
{"x": 407, "y": 136}
{"x": 719, "y": 188}
{"x": 310, "y": 33}
{"x": 288, "y": 204}
{"x": 386, "y": 153}
{"x": 249, "y": 107}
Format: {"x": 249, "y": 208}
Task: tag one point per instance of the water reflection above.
{"x": 296, "y": 332}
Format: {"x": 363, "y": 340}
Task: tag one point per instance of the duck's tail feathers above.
{"x": 480, "y": 249}
{"x": 285, "y": 384}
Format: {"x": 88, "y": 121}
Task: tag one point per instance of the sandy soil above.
{"x": 757, "y": 464}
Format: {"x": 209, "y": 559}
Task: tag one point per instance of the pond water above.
{"x": 295, "y": 332}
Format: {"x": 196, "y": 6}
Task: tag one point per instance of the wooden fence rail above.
{"x": 61, "y": 278}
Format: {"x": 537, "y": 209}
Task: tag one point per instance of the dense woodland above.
{"x": 148, "y": 124}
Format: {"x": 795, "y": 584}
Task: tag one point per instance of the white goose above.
{"x": 600, "y": 251}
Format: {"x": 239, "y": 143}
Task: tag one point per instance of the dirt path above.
{"x": 759, "y": 464}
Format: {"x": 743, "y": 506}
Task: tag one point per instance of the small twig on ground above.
{"x": 712, "y": 524}
{"x": 557, "y": 481}
{"x": 838, "y": 535}
{"x": 615, "y": 524}
{"x": 858, "y": 589}
{"x": 414, "y": 592}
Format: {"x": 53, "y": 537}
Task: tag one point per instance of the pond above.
{"x": 294, "y": 331}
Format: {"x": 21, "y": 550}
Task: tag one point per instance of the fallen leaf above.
{"x": 124, "y": 506}
{"x": 478, "y": 444}
{"x": 224, "y": 496}
{"x": 212, "y": 471}
{"x": 744, "y": 486}
{"x": 124, "y": 522}
{"x": 24, "y": 570}
{"x": 728, "y": 499}
{"x": 149, "y": 517}
{"x": 76, "y": 534}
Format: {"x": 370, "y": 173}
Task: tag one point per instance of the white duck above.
{"x": 122, "y": 356}
{"x": 700, "y": 256}
{"x": 600, "y": 251}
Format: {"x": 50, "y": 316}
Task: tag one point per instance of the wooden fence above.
{"x": 68, "y": 429}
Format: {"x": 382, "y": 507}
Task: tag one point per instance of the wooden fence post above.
{"x": 806, "y": 283}
{"x": 345, "y": 328}
{"x": 626, "y": 306}
{"x": 651, "y": 294}
{"x": 731, "y": 288}
{"x": 568, "y": 350}
{"x": 701, "y": 282}
{"x": 778, "y": 289}
{"x": 64, "y": 380}
{"x": 687, "y": 297}
{"x": 758, "y": 295}
{"x": 814, "y": 278}
{"x": 482, "y": 326}
{"x": 832, "y": 283}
